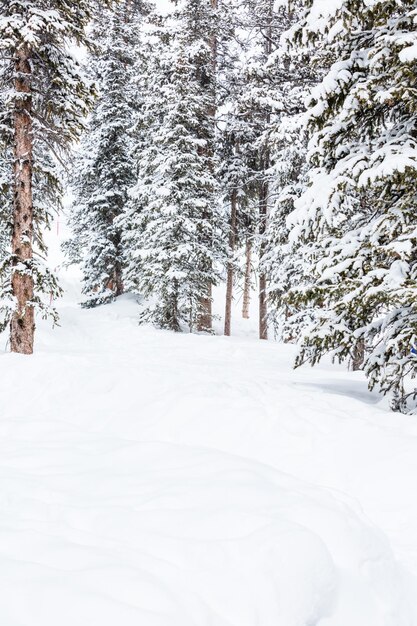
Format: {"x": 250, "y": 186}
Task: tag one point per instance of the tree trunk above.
{"x": 358, "y": 355}
{"x": 206, "y": 317}
{"x": 22, "y": 325}
{"x": 247, "y": 283}
{"x": 119, "y": 283}
{"x": 118, "y": 270}
{"x": 263, "y": 308}
{"x": 263, "y": 304}
{"x": 230, "y": 266}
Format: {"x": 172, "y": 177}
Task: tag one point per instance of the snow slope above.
{"x": 179, "y": 480}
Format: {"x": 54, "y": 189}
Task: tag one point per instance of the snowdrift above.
{"x": 171, "y": 480}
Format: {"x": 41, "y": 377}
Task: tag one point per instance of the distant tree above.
{"x": 172, "y": 227}
{"x": 233, "y": 183}
{"x": 294, "y": 76}
{"x": 104, "y": 170}
{"x": 258, "y": 102}
{"x": 237, "y": 182}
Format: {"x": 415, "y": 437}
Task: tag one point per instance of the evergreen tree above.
{"x": 356, "y": 223}
{"x": 104, "y": 170}
{"x": 261, "y": 25}
{"x": 172, "y": 226}
{"x": 234, "y": 150}
{"x": 294, "y": 77}
{"x": 235, "y": 181}
{"x": 264, "y": 92}
{"x": 200, "y": 25}
{"x": 45, "y": 98}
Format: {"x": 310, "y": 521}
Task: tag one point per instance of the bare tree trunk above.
{"x": 358, "y": 355}
{"x": 247, "y": 283}
{"x": 118, "y": 270}
{"x": 114, "y": 283}
{"x": 119, "y": 283}
{"x": 205, "y": 320}
{"x": 263, "y": 303}
{"x": 22, "y": 325}
{"x": 263, "y": 308}
{"x": 230, "y": 266}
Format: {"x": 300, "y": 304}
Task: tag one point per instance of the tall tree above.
{"x": 261, "y": 26}
{"x": 46, "y": 97}
{"x": 235, "y": 150}
{"x": 294, "y": 76}
{"x": 357, "y": 221}
{"x": 170, "y": 226}
{"x": 198, "y": 21}
{"x": 104, "y": 170}
{"x": 6, "y": 210}
{"x": 238, "y": 187}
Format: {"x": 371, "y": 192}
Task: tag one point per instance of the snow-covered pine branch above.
{"x": 356, "y": 222}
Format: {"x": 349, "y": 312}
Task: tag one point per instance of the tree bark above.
{"x": 247, "y": 283}
{"x": 263, "y": 308}
{"x": 263, "y": 303}
{"x": 358, "y": 355}
{"x": 22, "y": 325}
{"x": 230, "y": 266}
{"x": 205, "y": 318}
{"x": 118, "y": 270}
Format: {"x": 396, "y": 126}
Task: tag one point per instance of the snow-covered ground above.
{"x": 155, "y": 479}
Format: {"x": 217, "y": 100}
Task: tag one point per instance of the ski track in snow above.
{"x": 179, "y": 480}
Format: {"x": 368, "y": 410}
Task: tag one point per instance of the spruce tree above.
{"x": 238, "y": 181}
{"x": 294, "y": 76}
{"x": 45, "y": 98}
{"x": 103, "y": 171}
{"x": 261, "y": 26}
{"x": 234, "y": 153}
{"x": 356, "y": 223}
{"x": 235, "y": 184}
{"x": 172, "y": 226}
{"x": 198, "y": 22}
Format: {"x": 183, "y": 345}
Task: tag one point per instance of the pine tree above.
{"x": 294, "y": 76}
{"x": 258, "y": 99}
{"x": 104, "y": 169}
{"x": 260, "y": 91}
{"x": 172, "y": 228}
{"x": 235, "y": 185}
{"x": 238, "y": 177}
{"x": 234, "y": 155}
{"x": 45, "y": 99}
{"x": 198, "y": 21}
{"x": 356, "y": 223}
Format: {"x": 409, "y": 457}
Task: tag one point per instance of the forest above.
{"x": 238, "y": 141}
{"x": 199, "y": 201}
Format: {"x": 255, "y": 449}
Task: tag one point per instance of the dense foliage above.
{"x": 223, "y": 138}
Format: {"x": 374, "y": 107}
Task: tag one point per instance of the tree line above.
{"x": 242, "y": 141}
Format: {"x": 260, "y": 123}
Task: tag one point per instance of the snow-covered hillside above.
{"x": 179, "y": 480}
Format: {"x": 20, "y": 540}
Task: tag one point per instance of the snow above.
{"x": 408, "y": 54}
{"x": 168, "y": 479}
